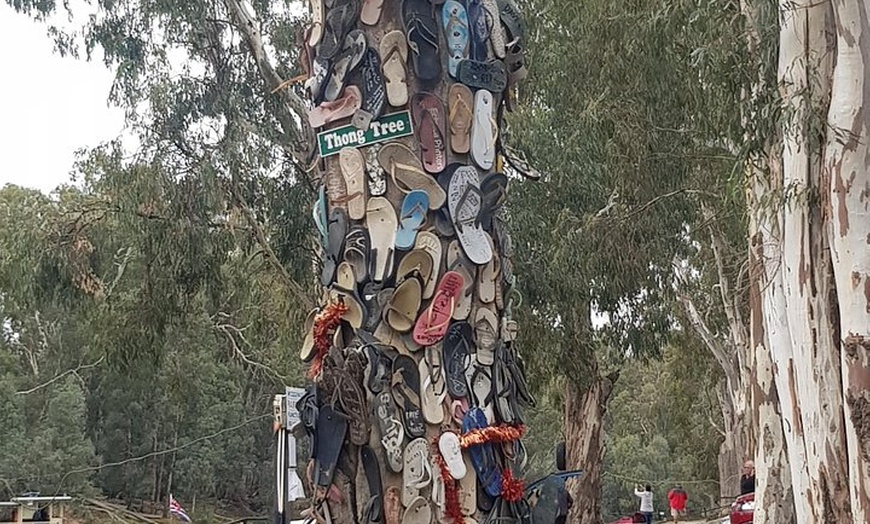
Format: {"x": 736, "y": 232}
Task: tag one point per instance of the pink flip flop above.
{"x": 432, "y": 324}
{"x": 344, "y": 107}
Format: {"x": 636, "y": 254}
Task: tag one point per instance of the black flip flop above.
{"x": 494, "y": 189}
{"x": 336, "y": 232}
{"x": 339, "y": 21}
{"x": 421, "y": 30}
{"x": 374, "y": 508}
{"x": 457, "y": 345}
{"x": 331, "y": 428}
{"x": 490, "y": 75}
{"x": 405, "y": 386}
{"x": 374, "y": 90}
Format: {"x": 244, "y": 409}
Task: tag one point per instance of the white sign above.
{"x": 292, "y": 396}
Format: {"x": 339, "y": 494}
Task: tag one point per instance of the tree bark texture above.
{"x": 415, "y": 411}
{"x": 812, "y": 241}
{"x": 584, "y": 423}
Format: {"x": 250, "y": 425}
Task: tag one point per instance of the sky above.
{"x": 49, "y": 106}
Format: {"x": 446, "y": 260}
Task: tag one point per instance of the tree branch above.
{"x": 80, "y": 367}
{"x": 248, "y": 27}
{"x": 720, "y": 353}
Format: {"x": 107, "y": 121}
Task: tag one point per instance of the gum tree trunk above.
{"x": 584, "y": 423}
{"x": 374, "y": 364}
{"x": 811, "y": 242}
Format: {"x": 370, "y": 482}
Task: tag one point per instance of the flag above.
{"x": 176, "y": 510}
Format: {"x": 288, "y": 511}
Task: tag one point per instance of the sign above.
{"x": 292, "y": 396}
{"x": 388, "y": 127}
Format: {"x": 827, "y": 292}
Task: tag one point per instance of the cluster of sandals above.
{"x": 415, "y": 246}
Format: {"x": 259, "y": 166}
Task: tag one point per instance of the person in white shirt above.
{"x": 646, "y": 502}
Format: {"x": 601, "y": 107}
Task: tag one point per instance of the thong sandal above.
{"x": 405, "y": 386}
{"x": 432, "y": 324}
{"x": 460, "y": 114}
{"x": 421, "y": 29}
{"x": 427, "y": 111}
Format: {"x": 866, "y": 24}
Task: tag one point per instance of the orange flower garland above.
{"x": 324, "y": 326}
{"x": 491, "y": 434}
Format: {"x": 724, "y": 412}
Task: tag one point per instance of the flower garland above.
{"x": 325, "y": 323}
{"x": 511, "y": 487}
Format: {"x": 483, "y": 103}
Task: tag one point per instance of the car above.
{"x": 742, "y": 509}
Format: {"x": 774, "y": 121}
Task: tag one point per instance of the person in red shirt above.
{"x": 677, "y": 498}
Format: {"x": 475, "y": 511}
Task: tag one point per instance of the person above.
{"x": 677, "y": 498}
{"x": 646, "y": 502}
{"x": 747, "y": 479}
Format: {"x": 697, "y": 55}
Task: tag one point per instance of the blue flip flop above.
{"x": 482, "y": 455}
{"x": 414, "y": 210}
{"x": 454, "y": 17}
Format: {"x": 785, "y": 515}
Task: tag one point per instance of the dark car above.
{"x": 743, "y": 508}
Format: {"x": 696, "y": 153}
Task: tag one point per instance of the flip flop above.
{"x": 374, "y": 508}
{"x": 316, "y": 32}
{"x": 344, "y": 63}
{"x": 451, "y": 452}
{"x": 320, "y": 218}
{"x": 391, "y": 429}
{"x": 511, "y": 20}
{"x": 417, "y": 263}
{"x": 482, "y": 394}
{"x": 457, "y": 346}
{"x": 479, "y": 29}
{"x": 416, "y": 470}
{"x": 352, "y": 399}
{"x": 377, "y": 179}
{"x": 485, "y": 335}
{"x": 504, "y": 390}
{"x": 487, "y": 278}
{"x": 456, "y": 261}
{"x": 413, "y": 216}
{"x": 433, "y": 391}
{"x": 427, "y": 110}
{"x": 371, "y": 11}
{"x": 329, "y": 112}
{"x": 497, "y": 36}
{"x": 317, "y": 77}
{"x": 306, "y": 353}
{"x": 418, "y": 19}
{"x": 483, "y": 455}
{"x": 460, "y": 114}
{"x": 432, "y": 324}
{"x": 338, "y": 22}
{"x": 373, "y": 89}
{"x": 379, "y": 369}
{"x": 381, "y": 221}
{"x": 405, "y": 386}
{"x": 401, "y": 310}
{"x": 406, "y": 172}
{"x": 468, "y": 490}
{"x": 344, "y": 290}
{"x": 394, "y": 53}
{"x": 430, "y": 243}
{"x": 494, "y": 189}
{"x": 331, "y": 429}
{"x": 356, "y": 252}
{"x": 353, "y": 167}
{"x": 490, "y": 75}
{"x": 393, "y": 506}
{"x": 419, "y": 512}
{"x": 484, "y": 130}
{"x": 454, "y": 18}
{"x": 337, "y": 231}
{"x": 465, "y": 201}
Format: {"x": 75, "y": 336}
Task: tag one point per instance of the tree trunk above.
{"x": 387, "y": 288}
{"x": 847, "y": 169}
{"x": 813, "y": 274}
{"x": 584, "y": 422}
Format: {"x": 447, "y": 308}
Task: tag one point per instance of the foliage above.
{"x": 659, "y": 431}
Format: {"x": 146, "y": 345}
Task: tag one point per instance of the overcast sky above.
{"x": 49, "y": 106}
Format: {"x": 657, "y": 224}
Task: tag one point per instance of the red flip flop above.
{"x": 429, "y": 117}
{"x": 433, "y": 322}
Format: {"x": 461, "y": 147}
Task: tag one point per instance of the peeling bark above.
{"x": 847, "y": 167}
{"x": 584, "y": 421}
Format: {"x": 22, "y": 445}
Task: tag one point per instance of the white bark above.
{"x": 847, "y": 166}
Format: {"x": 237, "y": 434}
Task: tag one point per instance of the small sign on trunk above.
{"x": 388, "y": 127}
